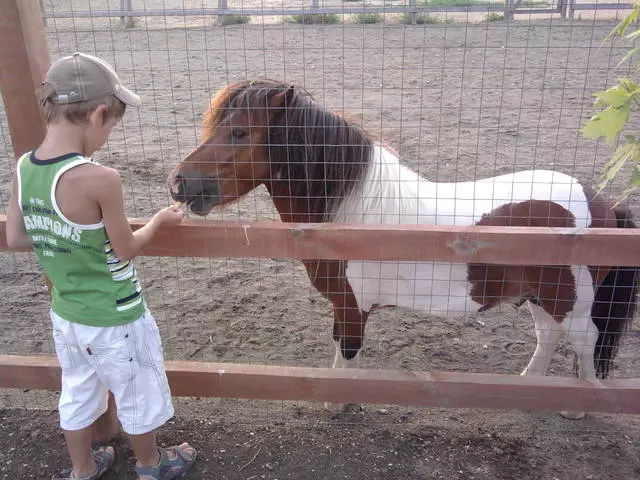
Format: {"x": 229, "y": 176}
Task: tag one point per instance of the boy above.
{"x": 71, "y": 211}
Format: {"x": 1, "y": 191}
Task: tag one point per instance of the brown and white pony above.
{"x": 318, "y": 167}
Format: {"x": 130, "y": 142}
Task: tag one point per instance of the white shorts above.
{"x": 126, "y": 360}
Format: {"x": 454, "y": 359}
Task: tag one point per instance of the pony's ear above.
{"x": 282, "y": 100}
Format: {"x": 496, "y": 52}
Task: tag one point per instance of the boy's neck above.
{"x": 63, "y": 138}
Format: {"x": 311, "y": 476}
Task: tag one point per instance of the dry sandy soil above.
{"x": 459, "y": 101}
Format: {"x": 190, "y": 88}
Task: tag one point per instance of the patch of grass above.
{"x": 367, "y": 18}
{"x": 314, "y": 19}
{"x": 421, "y": 19}
{"x": 454, "y": 3}
{"x": 131, "y": 22}
{"x": 493, "y": 17}
{"x": 235, "y": 20}
{"x": 468, "y": 3}
{"x": 534, "y": 3}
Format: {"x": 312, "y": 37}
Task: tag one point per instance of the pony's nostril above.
{"x": 175, "y": 181}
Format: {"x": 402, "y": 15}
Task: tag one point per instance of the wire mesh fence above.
{"x": 460, "y": 98}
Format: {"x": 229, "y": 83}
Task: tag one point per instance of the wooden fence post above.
{"x": 24, "y": 61}
{"x": 222, "y": 5}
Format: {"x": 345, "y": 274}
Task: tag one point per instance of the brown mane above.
{"x": 321, "y": 155}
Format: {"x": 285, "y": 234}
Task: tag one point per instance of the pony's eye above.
{"x": 238, "y": 134}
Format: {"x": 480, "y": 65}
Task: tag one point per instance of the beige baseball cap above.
{"x": 81, "y": 78}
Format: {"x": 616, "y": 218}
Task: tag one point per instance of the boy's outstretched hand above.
{"x": 171, "y": 215}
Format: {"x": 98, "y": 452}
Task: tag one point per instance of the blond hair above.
{"x": 76, "y": 112}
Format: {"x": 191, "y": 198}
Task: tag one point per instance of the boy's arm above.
{"x": 125, "y": 243}
{"x": 16, "y": 232}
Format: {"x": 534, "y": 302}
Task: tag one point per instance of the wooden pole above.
{"x": 222, "y": 5}
{"x": 24, "y": 60}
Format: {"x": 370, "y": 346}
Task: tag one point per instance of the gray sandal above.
{"x": 168, "y": 468}
{"x": 104, "y": 457}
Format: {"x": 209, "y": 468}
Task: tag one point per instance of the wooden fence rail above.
{"x": 429, "y": 389}
{"x": 333, "y": 241}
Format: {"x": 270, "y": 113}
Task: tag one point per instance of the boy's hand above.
{"x": 171, "y": 215}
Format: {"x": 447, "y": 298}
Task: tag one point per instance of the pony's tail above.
{"x": 614, "y": 306}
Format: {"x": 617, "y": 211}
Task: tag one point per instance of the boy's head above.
{"x": 78, "y": 84}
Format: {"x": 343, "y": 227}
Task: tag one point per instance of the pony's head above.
{"x": 232, "y": 158}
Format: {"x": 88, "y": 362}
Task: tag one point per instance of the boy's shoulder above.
{"x": 94, "y": 175}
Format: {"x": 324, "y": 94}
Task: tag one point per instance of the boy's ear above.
{"x": 96, "y": 116}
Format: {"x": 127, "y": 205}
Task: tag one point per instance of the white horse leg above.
{"x": 581, "y": 332}
{"x": 548, "y": 333}
{"x": 340, "y": 362}
{"x": 348, "y": 335}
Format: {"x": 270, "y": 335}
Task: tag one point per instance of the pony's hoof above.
{"x": 334, "y": 407}
{"x": 339, "y": 408}
{"x": 573, "y": 415}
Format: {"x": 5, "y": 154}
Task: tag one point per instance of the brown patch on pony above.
{"x": 551, "y": 287}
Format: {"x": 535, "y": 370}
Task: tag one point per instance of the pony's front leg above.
{"x": 548, "y": 334}
{"x": 348, "y": 334}
{"x": 582, "y": 333}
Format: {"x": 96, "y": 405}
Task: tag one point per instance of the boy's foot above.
{"x": 103, "y": 457}
{"x": 174, "y": 462}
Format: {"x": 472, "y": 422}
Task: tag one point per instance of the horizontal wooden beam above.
{"x": 476, "y": 244}
{"x": 429, "y": 389}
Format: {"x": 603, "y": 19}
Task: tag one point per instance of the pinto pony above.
{"x": 318, "y": 167}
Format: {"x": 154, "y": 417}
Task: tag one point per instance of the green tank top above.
{"x": 91, "y": 285}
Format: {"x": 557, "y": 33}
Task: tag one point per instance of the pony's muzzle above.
{"x": 176, "y": 186}
{"x": 200, "y": 193}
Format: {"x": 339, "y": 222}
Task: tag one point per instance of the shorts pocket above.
{"x": 116, "y": 362}
{"x": 152, "y": 341}
{"x": 65, "y": 352}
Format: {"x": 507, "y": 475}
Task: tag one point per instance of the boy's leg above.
{"x": 83, "y": 399}
{"x": 144, "y": 402}
{"x": 107, "y": 426}
{"x": 79, "y": 448}
{"x": 145, "y": 448}
{"x": 85, "y": 462}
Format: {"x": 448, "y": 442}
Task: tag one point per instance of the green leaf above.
{"x": 624, "y": 153}
{"x": 607, "y": 123}
{"x": 630, "y": 85}
{"x": 616, "y": 96}
{"x": 634, "y": 181}
{"x": 622, "y": 27}
{"x": 632, "y": 35}
{"x": 629, "y": 54}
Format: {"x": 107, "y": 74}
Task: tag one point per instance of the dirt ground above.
{"x": 446, "y": 445}
{"x": 459, "y": 101}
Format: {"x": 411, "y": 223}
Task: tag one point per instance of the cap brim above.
{"x": 128, "y": 97}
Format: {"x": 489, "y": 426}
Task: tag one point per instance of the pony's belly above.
{"x": 435, "y": 287}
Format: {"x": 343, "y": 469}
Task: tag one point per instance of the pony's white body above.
{"x": 394, "y": 194}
